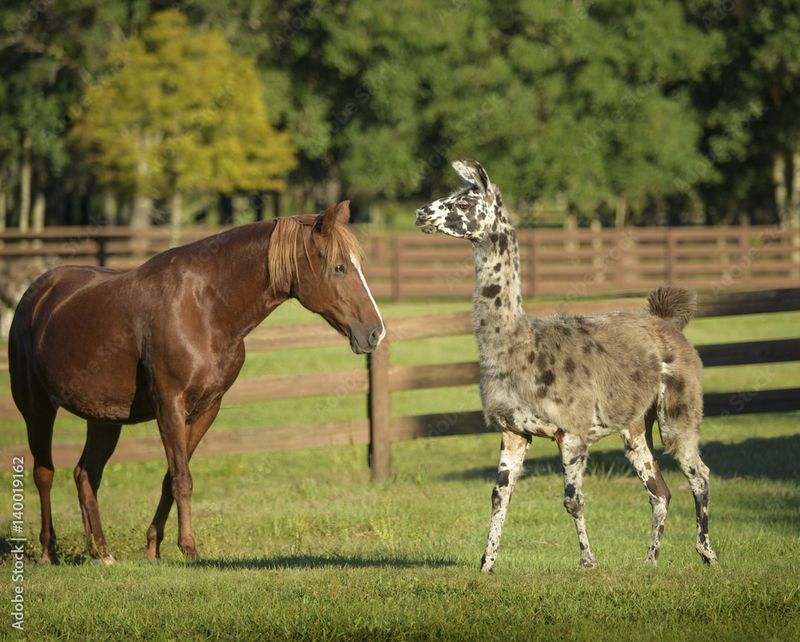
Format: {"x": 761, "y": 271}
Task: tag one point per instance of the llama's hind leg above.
{"x": 679, "y": 415}
{"x": 688, "y": 458}
{"x": 574, "y": 453}
{"x": 512, "y": 455}
{"x": 639, "y": 454}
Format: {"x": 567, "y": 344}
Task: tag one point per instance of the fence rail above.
{"x": 554, "y": 261}
{"x": 381, "y": 379}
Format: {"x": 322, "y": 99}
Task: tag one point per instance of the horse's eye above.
{"x": 340, "y": 269}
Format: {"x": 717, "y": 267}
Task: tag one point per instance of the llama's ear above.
{"x": 335, "y": 213}
{"x": 472, "y": 173}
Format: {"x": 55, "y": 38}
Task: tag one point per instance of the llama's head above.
{"x": 473, "y": 212}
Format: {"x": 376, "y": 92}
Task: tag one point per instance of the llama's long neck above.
{"x": 497, "y": 306}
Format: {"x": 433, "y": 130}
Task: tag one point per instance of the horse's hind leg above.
{"x": 101, "y": 440}
{"x": 155, "y": 533}
{"x": 39, "y": 422}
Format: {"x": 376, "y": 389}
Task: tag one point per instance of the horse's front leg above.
{"x": 174, "y": 431}
{"x": 155, "y": 533}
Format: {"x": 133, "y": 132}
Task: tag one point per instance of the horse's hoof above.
{"x": 587, "y": 563}
{"x": 190, "y": 555}
{"x": 44, "y": 560}
{"x": 150, "y": 554}
{"x": 106, "y": 560}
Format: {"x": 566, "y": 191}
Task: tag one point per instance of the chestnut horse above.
{"x": 166, "y": 341}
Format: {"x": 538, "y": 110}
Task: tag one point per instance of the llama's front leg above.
{"x": 574, "y": 452}
{"x": 512, "y": 455}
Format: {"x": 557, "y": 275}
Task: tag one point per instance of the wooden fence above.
{"x": 379, "y": 429}
{"x": 559, "y": 262}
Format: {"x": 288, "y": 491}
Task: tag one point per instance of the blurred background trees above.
{"x": 622, "y": 112}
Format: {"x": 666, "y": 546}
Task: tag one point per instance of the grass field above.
{"x": 302, "y": 545}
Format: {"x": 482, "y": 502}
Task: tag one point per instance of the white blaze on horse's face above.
{"x": 357, "y": 264}
{"x": 471, "y": 213}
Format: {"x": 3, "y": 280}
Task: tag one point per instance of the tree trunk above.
{"x": 570, "y": 225}
{"x": 140, "y": 220}
{"x": 109, "y": 207}
{"x": 175, "y": 219}
{"x": 25, "y": 185}
{"x": 39, "y": 205}
{"x": 621, "y": 213}
{"x": 225, "y": 210}
{"x": 142, "y": 211}
{"x": 276, "y": 204}
{"x": 3, "y": 208}
{"x": 257, "y": 204}
{"x": 779, "y": 185}
{"x": 793, "y": 215}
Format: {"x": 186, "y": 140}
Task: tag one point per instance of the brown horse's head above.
{"x": 317, "y": 260}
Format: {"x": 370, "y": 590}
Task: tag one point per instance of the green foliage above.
{"x": 748, "y": 100}
{"x": 180, "y": 111}
{"x": 594, "y": 104}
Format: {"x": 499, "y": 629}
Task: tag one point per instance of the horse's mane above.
{"x": 282, "y": 260}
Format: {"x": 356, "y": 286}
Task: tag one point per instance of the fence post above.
{"x": 532, "y": 264}
{"x": 671, "y": 256}
{"x": 102, "y": 257}
{"x": 744, "y": 254}
{"x": 380, "y": 415}
{"x": 395, "y": 268}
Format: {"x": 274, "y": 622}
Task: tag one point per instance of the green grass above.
{"x": 302, "y": 545}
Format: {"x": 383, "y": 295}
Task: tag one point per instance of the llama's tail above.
{"x": 674, "y": 304}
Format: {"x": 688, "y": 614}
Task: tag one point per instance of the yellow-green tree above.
{"x": 180, "y": 114}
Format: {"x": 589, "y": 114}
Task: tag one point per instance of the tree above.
{"x": 587, "y": 102}
{"x": 180, "y": 114}
{"x": 750, "y": 102}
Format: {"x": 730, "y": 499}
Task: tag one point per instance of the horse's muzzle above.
{"x": 366, "y": 341}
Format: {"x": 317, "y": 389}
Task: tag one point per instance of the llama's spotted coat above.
{"x": 574, "y": 379}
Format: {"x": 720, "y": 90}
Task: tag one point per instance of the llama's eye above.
{"x": 339, "y": 269}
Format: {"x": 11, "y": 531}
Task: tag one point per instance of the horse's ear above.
{"x": 336, "y": 213}
{"x": 327, "y": 219}
{"x": 343, "y": 212}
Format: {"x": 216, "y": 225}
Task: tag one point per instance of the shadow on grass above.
{"x": 767, "y": 458}
{"x": 32, "y": 551}
{"x": 251, "y": 563}
{"x": 314, "y": 561}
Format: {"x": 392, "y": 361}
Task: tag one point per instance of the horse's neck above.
{"x": 243, "y": 297}
{"x": 497, "y": 306}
